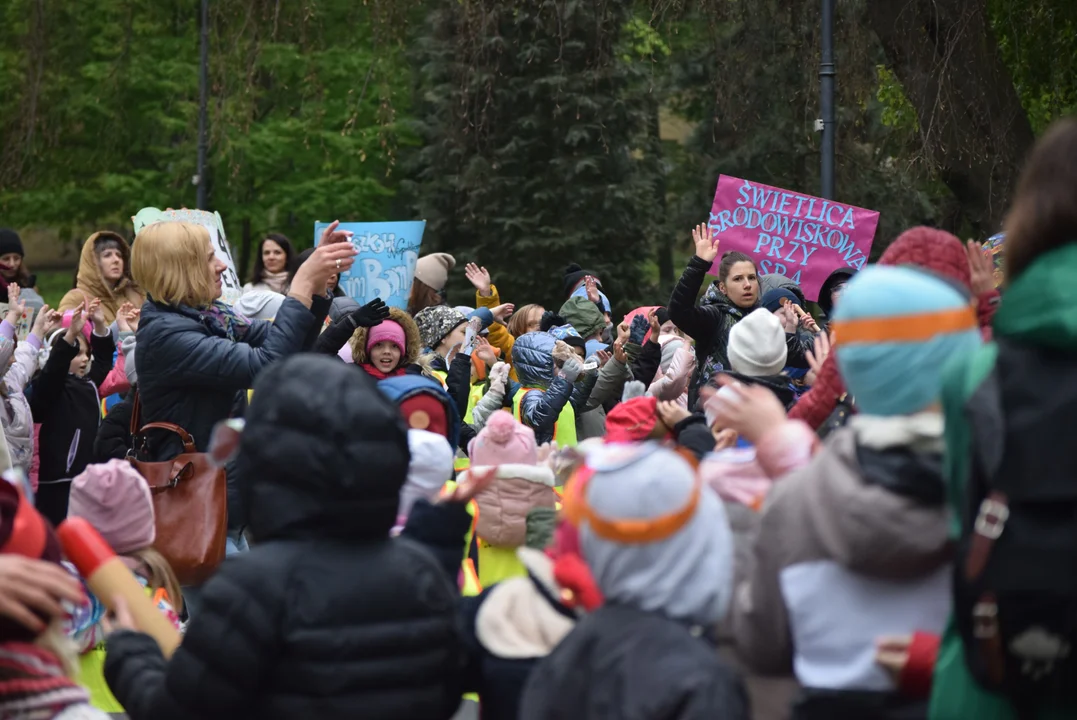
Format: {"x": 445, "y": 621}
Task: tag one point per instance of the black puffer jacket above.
{"x": 708, "y": 324}
{"x": 326, "y": 617}
{"x": 624, "y": 663}
{"x": 191, "y": 374}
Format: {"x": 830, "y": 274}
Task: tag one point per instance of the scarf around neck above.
{"x": 377, "y": 374}
{"x": 277, "y": 282}
{"x": 32, "y": 680}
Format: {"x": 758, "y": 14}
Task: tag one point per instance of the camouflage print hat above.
{"x": 436, "y": 322}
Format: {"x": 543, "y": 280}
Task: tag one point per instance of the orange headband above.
{"x": 634, "y": 531}
{"x": 904, "y": 328}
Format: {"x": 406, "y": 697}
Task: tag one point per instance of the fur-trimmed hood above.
{"x": 411, "y": 335}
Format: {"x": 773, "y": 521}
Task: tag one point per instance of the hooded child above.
{"x": 854, "y": 545}
{"x": 65, "y": 401}
{"x": 658, "y": 545}
{"x": 521, "y": 484}
{"x": 386, "y": 349}
{"x": 757, "y": 354}
{"x": 37, "y": 668}
{"x": 322, "y": 459}
{"x": 116, "y": 500}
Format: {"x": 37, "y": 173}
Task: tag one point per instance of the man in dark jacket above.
{"x": 327, "y": 616}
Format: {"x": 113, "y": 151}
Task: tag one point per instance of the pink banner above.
{"x": 802, "y": 237}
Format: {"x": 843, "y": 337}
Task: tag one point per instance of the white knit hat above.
{"x": 757, "y": 345}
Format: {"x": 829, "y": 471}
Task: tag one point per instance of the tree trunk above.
{"x": 974, "y": 129}
{"x": 244, "y": 249}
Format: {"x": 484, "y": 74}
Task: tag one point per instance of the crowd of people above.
{"x": 720, "y": 507}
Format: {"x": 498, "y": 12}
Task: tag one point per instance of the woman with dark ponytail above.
{"x": 726, "y": 302}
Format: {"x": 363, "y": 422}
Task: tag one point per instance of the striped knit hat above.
{"x": 895, "y": 329}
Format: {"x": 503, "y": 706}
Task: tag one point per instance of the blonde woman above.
{"x": 195, "y": 355}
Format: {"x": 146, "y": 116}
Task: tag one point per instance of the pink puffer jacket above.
{"x": 503, "y": 507}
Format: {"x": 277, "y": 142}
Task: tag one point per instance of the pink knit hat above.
{"x": 503, "y": 441}
{"x": 115, "y": 499}
{"x": 86, "y": 329}
{"x": 387, "y": 331}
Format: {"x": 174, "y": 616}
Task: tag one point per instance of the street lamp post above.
{"x": 203, "y": 100}
{"x": 826, "y": 101}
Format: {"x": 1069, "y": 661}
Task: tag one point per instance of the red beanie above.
{"x": 632, "y": 420}
{"x": 932, "y": 249}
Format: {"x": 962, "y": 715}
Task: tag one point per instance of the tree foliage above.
{"x": 534, "y": 122}
{"x": 99, "y": 111}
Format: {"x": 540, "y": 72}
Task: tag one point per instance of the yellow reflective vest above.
{"x": 564, "y": 429}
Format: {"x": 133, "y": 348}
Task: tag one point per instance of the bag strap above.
{"x": 138, "y": 429}
{"x": 136, "y": 413}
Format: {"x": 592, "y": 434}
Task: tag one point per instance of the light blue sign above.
{"x": 385, "y": 265}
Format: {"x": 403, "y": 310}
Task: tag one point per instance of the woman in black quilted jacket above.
{"x": 727, "y": 301}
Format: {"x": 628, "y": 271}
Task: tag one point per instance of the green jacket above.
{"x": 1037, "y": 310}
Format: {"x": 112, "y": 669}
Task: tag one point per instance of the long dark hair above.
{"x": 1043, "y": 216}
{"x": 423, "y": 296}
{"x": 258, "y": 272}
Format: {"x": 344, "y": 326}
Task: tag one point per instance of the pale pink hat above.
{"x": 116, "y": 500}
{"x": 502, "y": 442}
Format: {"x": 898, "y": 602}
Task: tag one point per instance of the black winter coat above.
{"x": 708, "y": 324}
{"x": 326, "y": 617}
{"x": 626, "y": 664}
{"x": 68, "y": 408}
{"x": 114, "y": 436}
{"x": 190, "y": 374}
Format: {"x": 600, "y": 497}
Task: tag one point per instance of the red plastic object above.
{"x": 83, "y": 545}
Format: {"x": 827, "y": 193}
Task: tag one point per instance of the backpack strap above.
{"x": 986, "y": 508}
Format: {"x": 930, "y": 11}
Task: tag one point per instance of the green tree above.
{"x": 99, "y": 108}
{"x": 534, "y": 125}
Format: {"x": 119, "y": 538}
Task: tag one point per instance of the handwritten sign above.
{"x": 385, "y": 265}
{"x": 802, "y": 237}
{"x": 231, "y": 288}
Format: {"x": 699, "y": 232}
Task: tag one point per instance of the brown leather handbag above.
{"x": 190, "y": 498}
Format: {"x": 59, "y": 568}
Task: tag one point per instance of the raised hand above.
{"x": 503, "y": 312}
{"x": 133, "y": 316}
{"x": 591, "y": 284}
{"x": 16, "y": 306}
{"x": 477, "y": 481}
{"x": 370, "y": 314}
{"x": 706, "y": 246}
{"x": 751, "y": 410}
{"x": 981, "y": 269}
{"x": 656, "y": 327}
{"x": 817, "y": 356}
{"x": 96, "y": 313}
{"x": 330, "y": 258}
{"x": 78, "y": 321}
{"x": 47, "y": 321}
{"x": 331, "y": 235}
{"x": 121, "y": 317}
{"x": 480, "y": 278}
{"x": 670, "y": 413}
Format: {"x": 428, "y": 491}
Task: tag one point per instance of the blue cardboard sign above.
{"x": 385, "y": 265}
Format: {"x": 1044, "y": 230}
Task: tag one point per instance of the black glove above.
{"x": 370, "y": 314}
{"x": 640, "y": 326}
